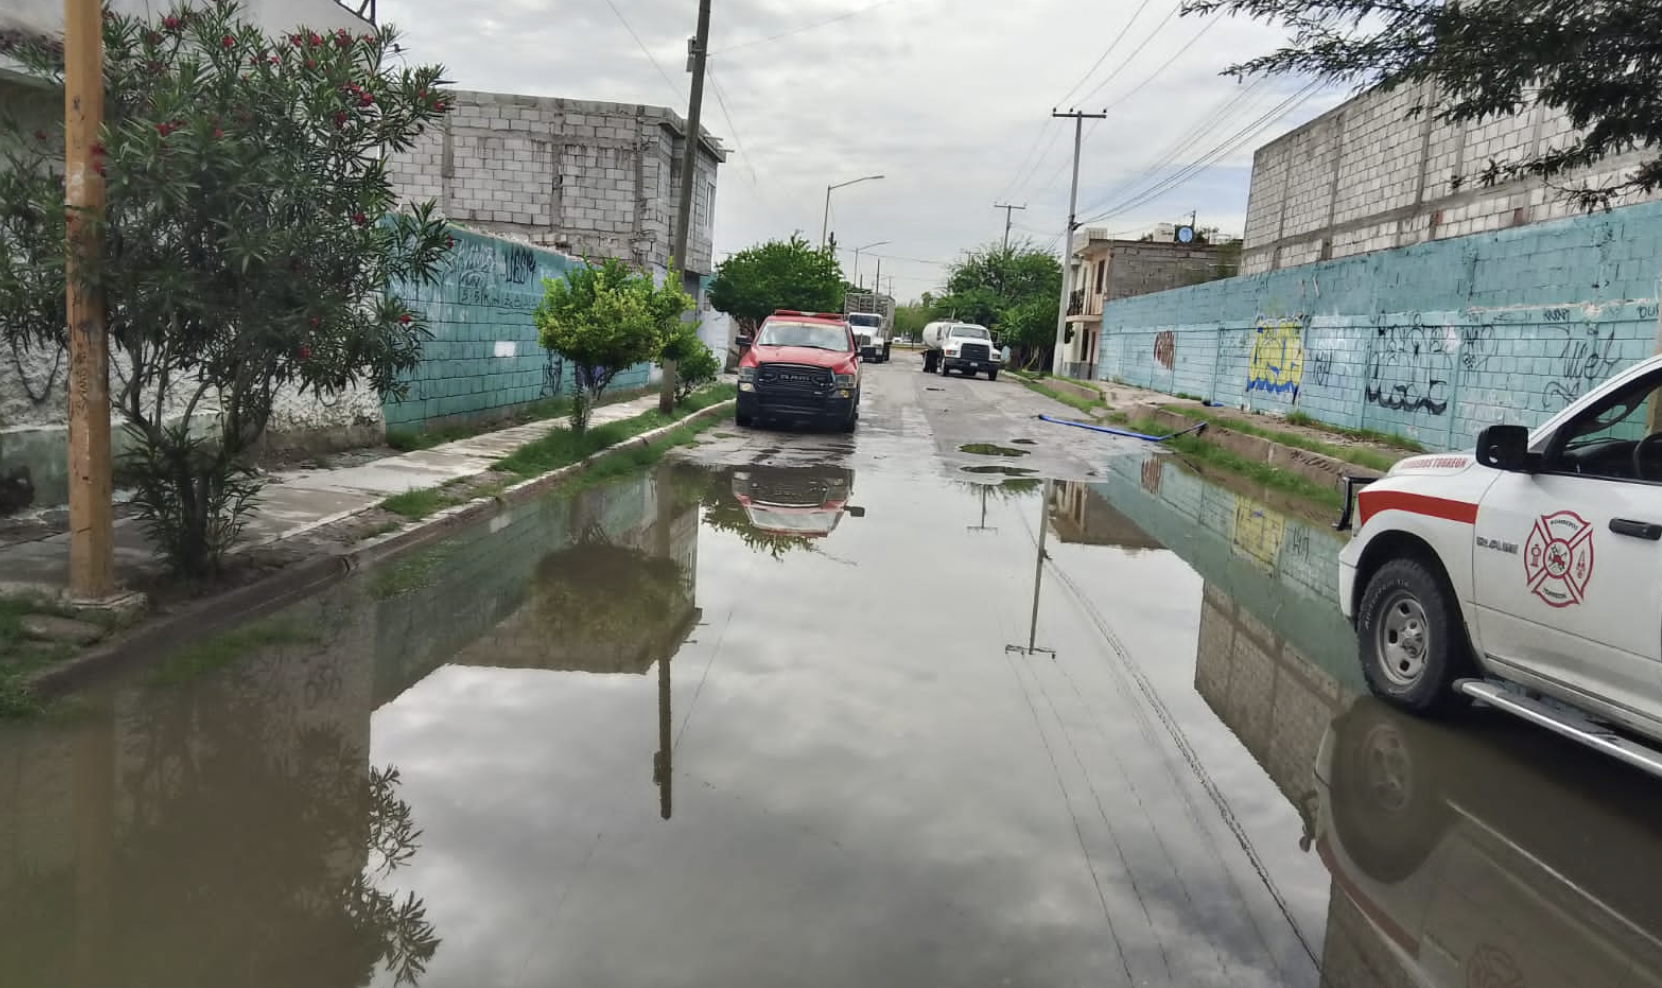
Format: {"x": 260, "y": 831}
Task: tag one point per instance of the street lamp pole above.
{"x": 825, "y": 222}
{"x": 857, "y": 251}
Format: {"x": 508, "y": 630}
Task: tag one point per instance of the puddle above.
{"x": 1007, "y": 471}
{"x": 989, "y": 449}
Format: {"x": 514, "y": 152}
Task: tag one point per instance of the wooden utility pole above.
{"x": 697, "y": 52}
{"x": 1067, "y": 236}
{"x": 91, "y": 536}
{"x": 1008, "y": 211}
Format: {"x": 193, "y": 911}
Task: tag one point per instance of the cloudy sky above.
{"x": 949, "y": 101}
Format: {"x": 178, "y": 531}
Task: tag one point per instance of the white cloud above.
{"x": 949, "y": 101}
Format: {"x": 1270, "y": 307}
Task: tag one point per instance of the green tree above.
{"x": 909, "y": 320}
{"x": 1594, "y": 62}
{"x": 695, "y": 365}
{"x": 604, "y": 319}
{"x": 249, "y": 246}
{"x": 779, "y": 274}
{"x": 1012, "y": 291}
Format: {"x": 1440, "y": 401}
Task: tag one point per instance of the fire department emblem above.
{"x": 1558, "y": 558}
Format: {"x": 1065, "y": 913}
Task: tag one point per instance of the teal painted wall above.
{"x": 1432, "y": 342}
{"x": 484, "y": 359}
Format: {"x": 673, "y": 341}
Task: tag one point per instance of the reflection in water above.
{"x": 1486, "y": 853}
{"x": 1038, "y": 579}
{"x": 233, "y": 832}
{"x": 772, "y": 509}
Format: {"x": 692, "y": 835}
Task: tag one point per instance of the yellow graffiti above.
{"x": 1258, "y": 532}
{"x": 1277, "y": 362}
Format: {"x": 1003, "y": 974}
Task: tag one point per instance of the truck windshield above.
{"x": 970, "y": 332}
{"x": 865, "y": 320}
{"x": 812, "y": 335}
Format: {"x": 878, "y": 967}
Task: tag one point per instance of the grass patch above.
{"x": 419, "y": 503}
{"x": 562, "y": 447}
{"x": 1259, "y": 473}
{"x": 1373, "y": 459}
{"x": 411, "y": 440}
{"x": 201, "y": 658}
{"x": 990, "y": 449}
{"x": 378, "y": 530}
{"x": 627, "y": 461}
{"x": 1072, "y": 401}
{"x": 1361, "y": 435}
{"x": 408, "y": 575}
{"x": 22, "y": 656}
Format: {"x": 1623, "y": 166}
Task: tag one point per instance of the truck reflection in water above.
{"x": 772, "y": 509}
{"x": 1484, "y": 854}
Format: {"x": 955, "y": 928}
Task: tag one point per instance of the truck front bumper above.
{"x": 834, "y": 406}
{"x": 979, "y": 366}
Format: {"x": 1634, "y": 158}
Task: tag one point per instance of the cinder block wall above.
{"x": 1432, "y": 342}
{"x": 484, "y": 359}
{"x": 1366, "y": 177}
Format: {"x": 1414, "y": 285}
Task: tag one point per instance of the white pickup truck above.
{"x": 1526, "y": 574}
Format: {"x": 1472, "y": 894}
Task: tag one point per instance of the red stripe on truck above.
{"x": 1370, "y": 503}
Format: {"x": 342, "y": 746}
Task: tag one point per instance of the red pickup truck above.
{"x": 801, "y": 365}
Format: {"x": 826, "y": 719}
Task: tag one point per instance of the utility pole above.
{"x": 91, "y": 523}
{"x": 877, "y": 282}
{"x": 697, "y": 50}
{"x": 1007, "y": 209}
{"x": 1067, "y": 236}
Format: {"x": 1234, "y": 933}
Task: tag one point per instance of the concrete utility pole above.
{"x": 1067, "y": 236}
{"x": 1007, "y": 220}
{"x": 825, "y": 220}
{"x": 699, "y": 50}
{"x": 91, "y": 524}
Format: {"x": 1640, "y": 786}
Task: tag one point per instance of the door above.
{"x": 1568, "y": 559}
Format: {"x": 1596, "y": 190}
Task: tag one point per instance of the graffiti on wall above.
{"x": 1477, "y": 346}
{"x": 1258, "y": 532}
{"x": 1165, "y": 348}
{"x": 1584, "y": 359}
{"x": 497, "y": 274}
{"x": 1410, "y": 369}
{"x": 1276, "y": 364}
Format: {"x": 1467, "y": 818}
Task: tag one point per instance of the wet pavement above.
{"x": 822, "y": 710}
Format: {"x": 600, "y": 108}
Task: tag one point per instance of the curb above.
{"x": 209, "y": 616}
{"x": 1317, "y": 468}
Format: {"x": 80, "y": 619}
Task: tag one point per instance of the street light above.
{"x": 857, "y": 251}
{"x": 825, "y": 224}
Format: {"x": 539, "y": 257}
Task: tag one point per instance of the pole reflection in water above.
{"x": 1038, "y": 579}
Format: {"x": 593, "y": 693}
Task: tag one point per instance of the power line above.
{"x": 1209, "y": 25}
{"x": 1246, "y": 134}
{"x": 644, "y": 51}
{"x": 738, "y": 146}
{"x": 804, "y": 28}
{"x": 1127, "y": 60}
{"x": 1105, "y": 53}
{"x": 1181, "y": 144}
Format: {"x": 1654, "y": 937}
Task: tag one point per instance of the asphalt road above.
{"x": 813, "y": 709}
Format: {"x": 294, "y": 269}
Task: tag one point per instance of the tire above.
{"x": 992, "y": 375}
{"x": 1410, "y": 638}
{"x": 743, "y": 421}
{"x": 847, "y": 424}
{"x": 886, "y": 352}
{"x": 1387, "y": 796}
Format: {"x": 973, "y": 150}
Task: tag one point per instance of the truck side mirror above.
{"x": 1505, "y": 447}
{"x": 744, "y": 343}
{"x": 856, "y": 512}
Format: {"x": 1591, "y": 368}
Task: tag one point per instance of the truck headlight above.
{"x": 747, "y": 374}
{"x": 844, "y": 380}
{"x": 952, "y": 351}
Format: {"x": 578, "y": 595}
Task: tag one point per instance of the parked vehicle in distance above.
{"x": 870, "y": 336}
{"x": 1534, "y": 560}
{"x": 959, "y": 346}
{"x": 873, "y": 311}
{"x": 801, "y": 366}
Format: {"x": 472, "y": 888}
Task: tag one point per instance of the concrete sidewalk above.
{"x": 297, "y": 501}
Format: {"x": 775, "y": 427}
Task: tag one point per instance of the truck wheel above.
{"x": 1389, "y": 811}
{"x": 743, "y": 420}
{"x": 1410, "y": 637}
{"x": 992, "y": 375}
{"x": 885, "y": 353}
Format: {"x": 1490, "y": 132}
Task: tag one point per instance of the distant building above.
{"x": 588, "y": 178}
{"x": 1105, "y": 269}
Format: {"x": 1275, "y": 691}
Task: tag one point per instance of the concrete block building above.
{"x": 583, "y": 177}
{"x": 1365, "y": 177}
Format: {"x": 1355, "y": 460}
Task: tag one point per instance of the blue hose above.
{"x": 1120, "y": 432}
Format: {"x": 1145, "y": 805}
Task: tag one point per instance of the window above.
{"x": 1101, "y": 275}
{"x": 818, "y": 336}
{"x": 1605, "y": 440}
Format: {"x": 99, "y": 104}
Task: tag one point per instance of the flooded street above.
{"x": 819, "y": 710}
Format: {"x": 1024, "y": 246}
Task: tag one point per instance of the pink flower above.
{"x": 359, "y": 218}
{"x": 405, "y": 318}
{"x": 171, "y": 23}
{"x": 228, "y": 42}
{"x": 306, "y": 351}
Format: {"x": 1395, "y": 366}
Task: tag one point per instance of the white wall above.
{"x": 1365, "y": 177}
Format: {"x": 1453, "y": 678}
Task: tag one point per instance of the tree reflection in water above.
{"x": 222, "y": 837}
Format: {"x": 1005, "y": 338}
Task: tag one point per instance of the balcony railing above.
{"x": 363, "y": 8}
{"x": 1076, "y": 302}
